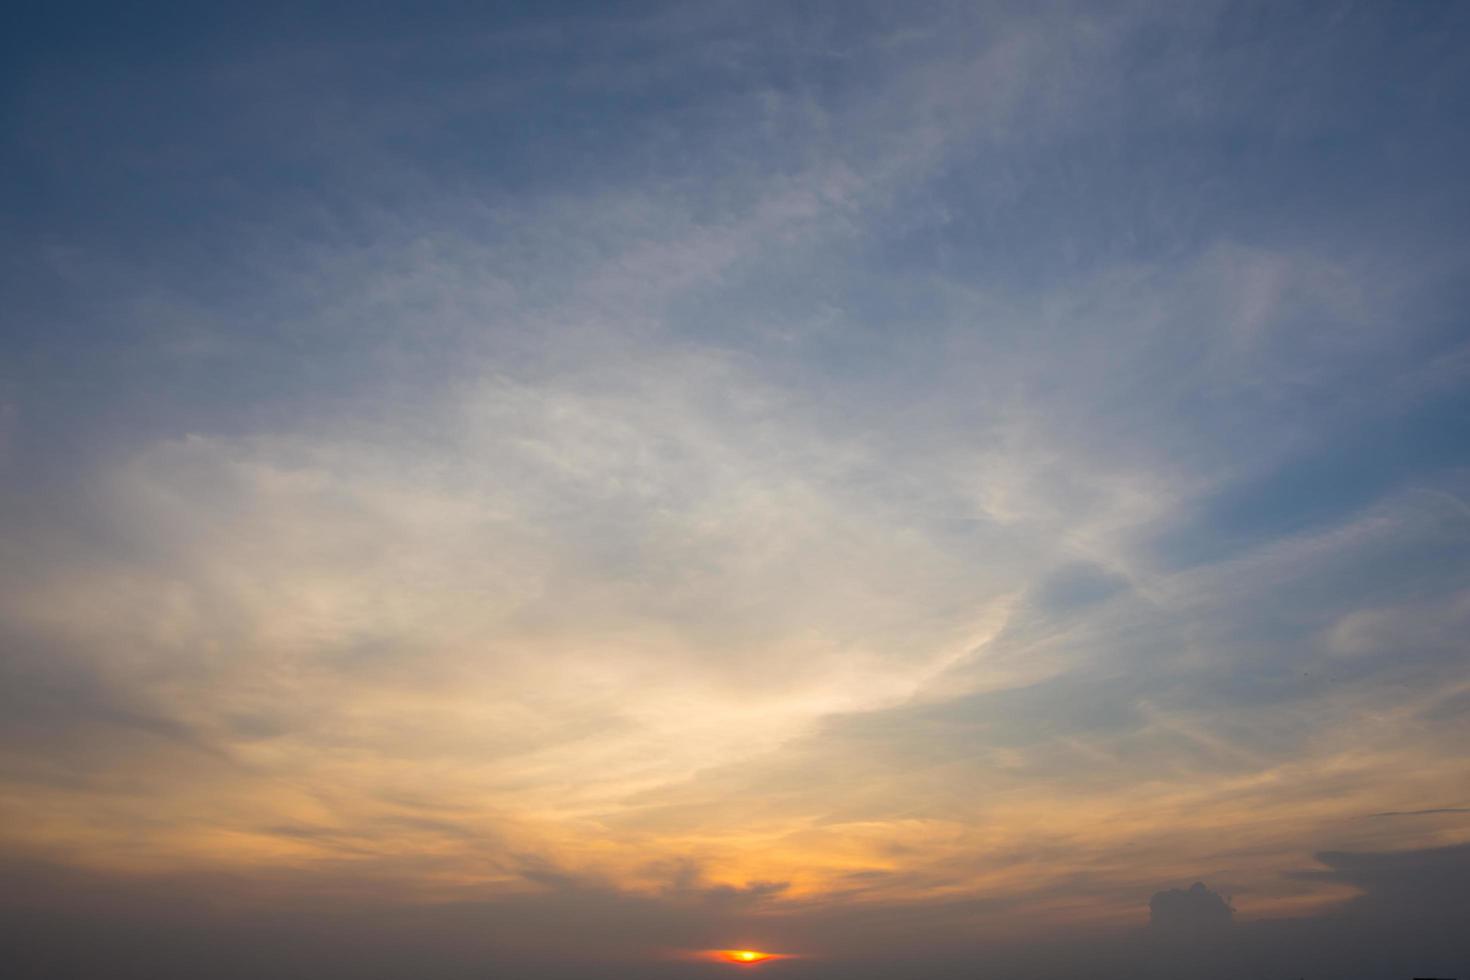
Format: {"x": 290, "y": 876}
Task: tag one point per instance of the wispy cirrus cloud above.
{"x": 966, "y": 459}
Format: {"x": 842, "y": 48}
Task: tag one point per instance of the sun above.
{"x": 740, "y": 957}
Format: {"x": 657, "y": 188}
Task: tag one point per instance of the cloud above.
{"x": 1190, "y": 910}
{"x": 1426, "y": 886}
{"x": 1433, "y": 811}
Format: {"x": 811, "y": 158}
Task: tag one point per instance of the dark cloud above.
{"x": 1428, "y": 885}
{"x": 1190, "y": 910}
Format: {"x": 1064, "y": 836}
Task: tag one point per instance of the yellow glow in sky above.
{"x": 746, "y": 956}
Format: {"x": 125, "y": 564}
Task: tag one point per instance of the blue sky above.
{"x": 814, "y": 457}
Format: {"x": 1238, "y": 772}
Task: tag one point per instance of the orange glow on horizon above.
{"x": 744, "y": 957}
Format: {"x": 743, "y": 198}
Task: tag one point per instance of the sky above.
{"x": 554, "y": 489}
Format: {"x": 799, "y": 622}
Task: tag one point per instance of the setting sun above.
{"x": 745, "y": 956}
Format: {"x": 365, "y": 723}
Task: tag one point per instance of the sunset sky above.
{"x": 550, "y": 489}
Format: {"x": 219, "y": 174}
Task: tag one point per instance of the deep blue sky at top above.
{"x": 128, "y": 135}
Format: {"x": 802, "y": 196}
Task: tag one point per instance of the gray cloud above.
{"x": 1190, "y": 910}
